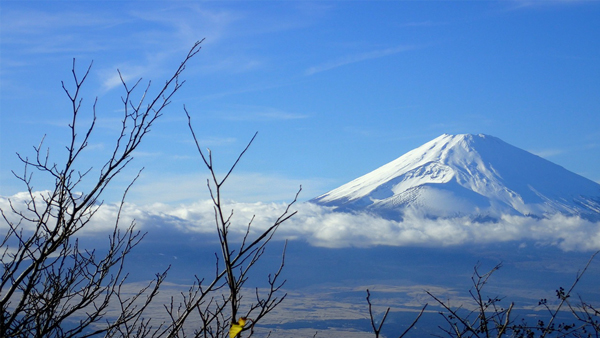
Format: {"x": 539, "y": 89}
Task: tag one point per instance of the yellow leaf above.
{"x": 237, "y": 328}
{"x": 234, "y": 330}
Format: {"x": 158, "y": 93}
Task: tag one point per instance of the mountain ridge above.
{"x": 468, "y": 175}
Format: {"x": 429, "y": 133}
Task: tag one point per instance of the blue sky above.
{"x": 335, "y": 89}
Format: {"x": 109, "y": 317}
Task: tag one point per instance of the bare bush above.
{"x": 377, "y": 328}
{"x": 488, "y": 318}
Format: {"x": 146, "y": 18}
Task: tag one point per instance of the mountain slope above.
{"x": 468, "y": 175}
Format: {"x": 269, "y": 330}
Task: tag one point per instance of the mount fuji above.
{"x": 477, "y": 176}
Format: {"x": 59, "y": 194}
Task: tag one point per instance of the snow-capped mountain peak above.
{"x": 474, "y": 175}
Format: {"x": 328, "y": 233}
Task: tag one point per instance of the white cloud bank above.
{"x": 321, "y": 226}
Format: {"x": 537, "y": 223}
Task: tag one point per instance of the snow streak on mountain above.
{"x": 468, "y": 175}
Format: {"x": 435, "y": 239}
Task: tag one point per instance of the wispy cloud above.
{"x": 30, "y": 30}
{"x": 548, "y": 152}
{"x": 32, "y": 21}
{"x": 426, "y": 23}
{"x": 216, "y": 141}
{"x": 130, "y": 74}
{"x": 350, "y": 59}
{"x": 141, "y": 42}
{"x": 233, "y": 64}
{"x": 259, "y": 113}
{"x": 518, "y": 4}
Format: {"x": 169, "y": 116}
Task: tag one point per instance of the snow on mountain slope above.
{"x": 468, "y": 175}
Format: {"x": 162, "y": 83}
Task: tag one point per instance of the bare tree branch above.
{"x": 47, "y": 278}
{"x": 237, "y": 262}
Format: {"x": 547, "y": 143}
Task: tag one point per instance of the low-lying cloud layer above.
{"x": 321, "y": 226}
